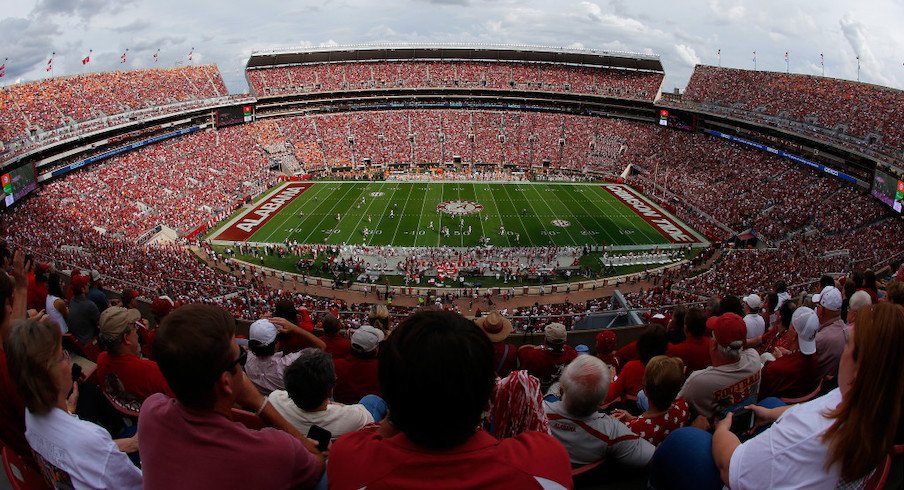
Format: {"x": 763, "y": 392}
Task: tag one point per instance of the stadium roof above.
{"x": 372, "y": 52}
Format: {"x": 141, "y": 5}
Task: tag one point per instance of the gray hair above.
{"x": 585, "y": 384}
{"x": 732, "y": 352}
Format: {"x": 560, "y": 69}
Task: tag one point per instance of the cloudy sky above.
{"x": 681, "y": 33}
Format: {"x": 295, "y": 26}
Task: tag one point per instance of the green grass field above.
{"x": 532, "y": 214}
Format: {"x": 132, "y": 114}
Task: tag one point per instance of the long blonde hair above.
{"x": 869, "y": 418}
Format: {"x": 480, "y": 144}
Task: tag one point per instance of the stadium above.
{"x": 554, "y": 186}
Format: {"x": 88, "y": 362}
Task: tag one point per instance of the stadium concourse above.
{"x": 135, "y": 172}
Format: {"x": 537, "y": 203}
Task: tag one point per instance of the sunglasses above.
{"x": 243, "y": 356}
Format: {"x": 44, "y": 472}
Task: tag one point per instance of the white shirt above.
{"x": 83, "y": 450}
{"x": 790, "y": 454}
{"x": 55, "y": 314}
{"x": 337, "y": 418}
{"x": 756, "y": 325}
{"x": 267, "y": 372}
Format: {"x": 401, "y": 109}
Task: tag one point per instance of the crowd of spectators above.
{"x": 490, "y": 75}
{"x": 857, "y": 115}
{"x": 29, "y": 110}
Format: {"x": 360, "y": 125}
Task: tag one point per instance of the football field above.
{"x": 456, "y": 214}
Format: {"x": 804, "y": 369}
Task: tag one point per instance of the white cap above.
{"x": 753, "y": 301}
{"x": 263, "y": 331}
{"x": 806, "y": 324}
{"x": 367, "y": 338}
{"x": 829, "y": 298}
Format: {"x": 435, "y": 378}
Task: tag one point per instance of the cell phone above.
{"x": 742, "y": 421}
{"x": 321, "y": 435}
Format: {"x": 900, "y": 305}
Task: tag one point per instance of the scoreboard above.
{"x": 18, "y": 182}
{"x": 230, "y": 116}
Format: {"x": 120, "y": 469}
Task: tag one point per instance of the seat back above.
{"x": 247, "y": 419}
{"x": 809, "y": 396}
{"x": 21, "y": 476}
{"x": 124, "y": 402}
{"x": 879, "y": 479}
{"x": 55, "y": 477}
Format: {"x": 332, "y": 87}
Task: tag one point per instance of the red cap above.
{"x": 79, "y": 282}
{"x": 727, "y": 329}
{"x": 606, "y": 342}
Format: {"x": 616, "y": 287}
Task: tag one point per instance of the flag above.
{"x": 3, "y": 68}
{"x": 786, "y": 56}
{"x": 754, "y": 56}
{"x": 122, "y": 59}
{"x": 190, "y": 53}
{"x": 50, "y": 62}
{"x": 156, "y": 55}
{"x": 87, "y": 59}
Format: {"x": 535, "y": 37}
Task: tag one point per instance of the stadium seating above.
{"x": 34, "y": 112}
{"x": 505, "y": 76}
{"x": 857, "y": 115}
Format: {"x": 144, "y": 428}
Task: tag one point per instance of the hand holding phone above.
{"x": 321, "y": 435}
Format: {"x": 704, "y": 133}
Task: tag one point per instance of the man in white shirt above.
{"x": 306, "y": 400}
{"x": 756, "y": 325}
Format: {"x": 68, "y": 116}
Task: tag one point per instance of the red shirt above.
{"x": 628, "y": 382}
{"x": 366, "y": 459}
{"x": 504, "y": 366}
{"x": 336, "y": 346}
{"x": 694, "y": 352}
{"x": 655, "y": 429}
{"x": 185, "y": 448}
{"x": 37, "y": 294}
{"x": 12, "y": 413}
{"x": 628, "y": 353}
{"x": 355, "y": 377}
{"x": 139, "y": 377}
{"x": 792, "y": 375}
{"x": 545, "y": 364}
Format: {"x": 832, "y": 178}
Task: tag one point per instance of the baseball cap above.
{"x": 729, "y": 330}
{"x": 80, "y": 282}
{"x": 806, "y": 324}
{"x": 115, "y": 320}
{"x": 263, "y": 331}
{"x": 754, "y": 301}
{"x": 555, "y": 332}
{"x": 367, "y": 338}
{"x": 829, "y": 298}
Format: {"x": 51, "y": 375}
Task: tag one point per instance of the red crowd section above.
{"x": 540, "y": 77}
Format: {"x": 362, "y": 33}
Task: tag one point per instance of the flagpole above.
{"x": 754, "y": 61}
{"x": 858, "y": 68}
{"x": 719, "y": 54}
{"x": 822, "y": 62}
{"x": 787, "y": 63}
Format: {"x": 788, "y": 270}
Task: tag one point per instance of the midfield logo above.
{"x": 459, "y": 208}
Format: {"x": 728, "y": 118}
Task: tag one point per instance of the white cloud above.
{"x": 687, "y": 54}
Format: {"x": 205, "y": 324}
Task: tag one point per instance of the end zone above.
{"x": 668, "y": 227}
{"x": 255, "y": 218}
